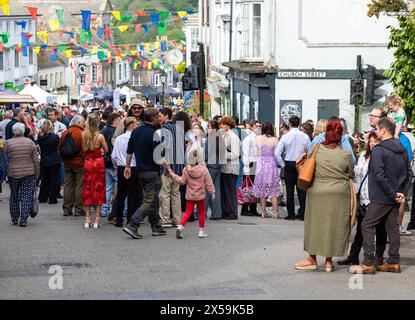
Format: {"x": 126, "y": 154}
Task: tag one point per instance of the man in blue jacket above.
{"x": 388, "y": 176}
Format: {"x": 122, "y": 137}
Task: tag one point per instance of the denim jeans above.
{"x": 110, "y": 181}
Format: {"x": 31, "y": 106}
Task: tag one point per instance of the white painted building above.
{"x": 276, "y": 44}
{"x": 15, "y": 68}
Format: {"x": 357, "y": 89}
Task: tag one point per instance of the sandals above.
{"x": 307, "y": 264}
{"x": 329, "y": 266}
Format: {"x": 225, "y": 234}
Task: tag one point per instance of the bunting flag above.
{"x": 127, "y": 47}
{"x": 147, "y": 46}
{"x": 1, "y": 46}
{"x": 189, "y": 11}
{"x": 36, "y": 49}
{"x": 126, "y": 18}
{"x": 149, "y": 65}
{"x": 33, "y": 12}
{"x": 24, "y": 51}
{"x": 145, "y": 27}
{"x": 164, "y": 46}
{"x": 145, "y": 64}
{"x": 18, "y": 49}
{"x": 100, "y": 32}
{"x": 5, "y": 37}
{"x": 54, "y": 56}
{"x": 117, "y": 15}
{"x": 95, "y": 49}
{"x": 177, "y": 20}
{"x": 182, "y": 14}
{"x": 62, "y": 48}
{"x": 123, "y": 28}
{"x": 54, "y": 25}
{"x": 21, "y": 24}
{"x": 162, "y": 28}
{"x": 85, "y": 35}
{"x": 107, "y": 32}
{"x": 101, "y": 56}
{"x": 164, "y": 15}
{"x": 155, "y": 18}
{"x": 137, "y": 27}
{"x": 86, "y": 20}
{"x": 141, "y": 13}
{"x": 68, "y": 54}
{"x": 5, "y": 6}
{"x": 25, "y": 39}
{"x": 71, "y": 34}
{"x": 59, "y": 14}
{"x": 156, "y": 45}
{"x": 44, "y": 35}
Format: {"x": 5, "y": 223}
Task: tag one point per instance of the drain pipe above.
{"x": 231, "y": 32}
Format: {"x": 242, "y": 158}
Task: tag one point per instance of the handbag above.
{"x": 246, "y": 192}
{"x": 361, "y": 210}
{"x": 35, "y": 205}
{"x": 305, "y": 168}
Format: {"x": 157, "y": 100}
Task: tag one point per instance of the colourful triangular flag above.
{"x": 59, "y": 14}
{"x": 117, "y": 15}
{"x": 5, "y": 6}
{"x": 123, "y": 28}
{"x": 33, "y": 12}
{"x": 137, "y": 27}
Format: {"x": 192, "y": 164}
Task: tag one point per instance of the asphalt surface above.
{"x": 251, "y": 258}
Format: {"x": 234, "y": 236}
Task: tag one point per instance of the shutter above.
{"x": 328, "y": 109}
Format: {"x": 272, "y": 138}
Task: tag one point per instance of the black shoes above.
{"x": 289, "y": 218}
{"x": 247, "y": 214}
{"x": 67, "y": 214}
{"x": 215, "y": 218}
{"x": 159, "y": 232}
{"x": 118, "y": 224}
{"x": 411, "y": 226}
{"x": 349, "y": 261}
{"x": 282, "y": 204}
{"x": 231, "y": 218}
{"x": 60, "y": 196}
{"x": 298, "y": 217}
{"x": 132, "y": 232}
{"x": 21, "y": 224}
{"x": 52, "y": 201}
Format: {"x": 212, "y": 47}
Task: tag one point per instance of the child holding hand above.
{"x": 395, "y": 105}
{"x": 197, "y": 178}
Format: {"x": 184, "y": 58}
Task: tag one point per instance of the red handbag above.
{"x": 246, "y": 192}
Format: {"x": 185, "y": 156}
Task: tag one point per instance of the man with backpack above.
{"x": 70, "y": 150}
{"x": 110, "y": 174}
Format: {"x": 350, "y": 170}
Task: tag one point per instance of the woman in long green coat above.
{"x": 328, "y": 207}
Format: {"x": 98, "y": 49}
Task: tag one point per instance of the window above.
{"x": 195, "y": 39}
{"x": 61, "y": 82}
{"x": 251, "y": 30}
{"x": 119, "y": 71}
{"x": 51, "y": 84}
{"x": 82, "y": 78}
{"x": 8, "y": 26}
{"x": 94, "y": 73}
{"x": 138, "y": 80}
{"x": 170, "y": 77}
{"x": 56, "y": 80}
{"x": 125, "y": 71}
{"x": 157, "y": 81}
{"x": 30, "y": 26}
{"x": 30, "y": 55}
{"x": 1, "y": 61}
{"x": 16, "y": 59}
{"x": 6, "y": 59}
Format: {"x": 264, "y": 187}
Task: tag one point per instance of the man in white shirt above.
{"x": 58, "y": 127}
{"x": 127, "y": 188}
{"x": 292, "y": 145}
{"x": 249, "y": 164}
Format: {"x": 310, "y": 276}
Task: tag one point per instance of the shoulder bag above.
{"x": 305, "y": 168}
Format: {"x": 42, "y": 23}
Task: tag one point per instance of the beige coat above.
{"x": 23, "y": 158}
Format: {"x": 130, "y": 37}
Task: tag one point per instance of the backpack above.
{"x": 108, "y": 134}
{"x": 68, "y": 149}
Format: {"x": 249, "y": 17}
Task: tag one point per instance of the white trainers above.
{"x": 179, "y": 232}
{"x": 202, "y": 233}
{"x": 86, "y": 225}
{"x": 404, "y": 232}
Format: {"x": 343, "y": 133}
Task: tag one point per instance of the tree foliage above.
{"x": 376, "y": 7}
{"x": 401, "y": 73}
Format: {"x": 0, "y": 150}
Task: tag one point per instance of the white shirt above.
{"x": 293, "y": 145}
{"x": 58, "y": 127}
{"x": 3, "y": 125}
{"x": 248, "y": 155}
{"x": 119, "y": 152}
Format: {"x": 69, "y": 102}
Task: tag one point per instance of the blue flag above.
{"x": 24, "y": 51}
{"x": 100, "y": 32}
{"x": 25, "y": 40}
{"x": 21, "y": 24}
{"x": 155, "y": 18}
{"x": 163, "y": 46}
{"x": 145, "y": 27}
{"x": 86, "y": 20}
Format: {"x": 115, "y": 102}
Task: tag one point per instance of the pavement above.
{"x": 251, "y": 258}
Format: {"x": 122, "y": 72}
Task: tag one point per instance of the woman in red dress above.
{"x": 93, "y": 188}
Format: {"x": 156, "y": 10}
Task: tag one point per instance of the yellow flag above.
{"x": 95, "y": 49}
{"x": 118, "y": 59}
{"x": 54, "y": 25}
{"x": 44, "y": 35}
{"x": 150, "y": 66}
{"x": 123, "y": 54}
{"x": 182, "y": 14}
{"x": 36, "y": 49}
{"x": 117, "y": 15}
{"x": 156, "y": 45}
{"x": 109, "y": 53}
{"x": 19, "y": 44}
{"x": 4, "y": 5}
{"x": 122, "y": 28}
{"x": 155, "y": 61}
{"x": 68, "y": 54}
{"x": 135, "y": 65}
{"x": 147, "y": 46}
{"x": 133, "y": 52}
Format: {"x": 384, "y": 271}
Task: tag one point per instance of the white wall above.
{"x": 60, "y": 71}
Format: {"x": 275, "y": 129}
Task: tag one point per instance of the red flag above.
{"x": 60, "y": 34}
{"x": 33, "y": 12}
{"x": 118, "y": 53}
{"x": 113, "y": 47}
{"x": 109, "y": 59}
{"x": 42, "y": 52}
{"x": 28, "y": 35}
{"x": 141, "y": 13}
{"x": 137, "y": 27}
{"x": 107, "y": 32}
{"x": 1, "y": 46}
{"x": 18, "y": 49}
{"x": 177, "y": 20}
{"x": 127, "y": 47}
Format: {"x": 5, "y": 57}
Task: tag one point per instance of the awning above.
{"x": 16, "y": 98}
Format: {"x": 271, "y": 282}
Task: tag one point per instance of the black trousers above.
{"x": 50, "y": 183}
{"x": 129, "y": 189}
{"x": 151, "y": 183}
{"x": 249, "y": 207}
{"x": 413, "y": 205}
{"x": 381, "y": 239}
{"x": 374, "y": 215}
{"x": 291, "y": 177}
{"x": 228, "y": 195}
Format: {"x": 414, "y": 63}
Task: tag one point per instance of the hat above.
{"x": 137, "y": 102}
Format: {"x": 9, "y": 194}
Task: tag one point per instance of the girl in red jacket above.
{"x": 197, "y": 178}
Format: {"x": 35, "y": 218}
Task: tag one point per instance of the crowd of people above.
{"x": 168, "y": 166}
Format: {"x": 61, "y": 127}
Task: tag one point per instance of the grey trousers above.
{"x": 374, "y": 215}
{"x": 215, "y": 205}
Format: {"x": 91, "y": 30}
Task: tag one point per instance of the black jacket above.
{"x": 49, "y": 150}
{"x": 388, "y": 172}
{"x": 108, "y": 133}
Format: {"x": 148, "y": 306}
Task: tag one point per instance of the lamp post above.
{"x": 163, "y": 78}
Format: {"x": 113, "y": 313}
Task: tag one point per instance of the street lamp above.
{"x": 163, "y": 78}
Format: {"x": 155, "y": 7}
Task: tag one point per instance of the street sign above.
{"x": 43, "y": 82}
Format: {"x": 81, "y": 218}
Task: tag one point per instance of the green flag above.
{"x": 62, "y": 48}
{"x": 101, "y": 56}
{"x": 5, "y": 37}
{"x": 82, "y": 35}
{"x": 162, "y": 28}
{"x": 164, "y": 15}
{"x": 59, "y": 13}
{"x": 125, "y": 18}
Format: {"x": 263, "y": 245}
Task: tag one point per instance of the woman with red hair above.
{"x": 327, "y": 213}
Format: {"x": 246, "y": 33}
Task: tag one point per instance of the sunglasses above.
{"x": 137, "y": 108}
